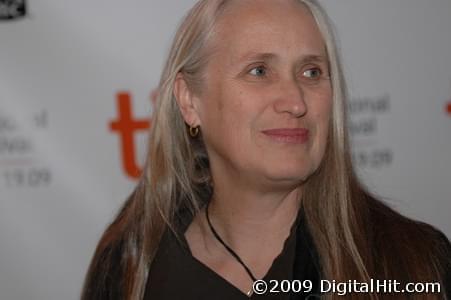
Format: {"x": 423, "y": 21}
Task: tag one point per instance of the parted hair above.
{"x": 357, "y": 236}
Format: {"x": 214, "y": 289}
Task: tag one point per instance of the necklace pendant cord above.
{"x": 230, "y": 250}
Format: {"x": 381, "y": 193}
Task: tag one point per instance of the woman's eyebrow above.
{"x": 252, "y": 56}
{"x": 264, "y": 56}
{"x": 314, "y": 58}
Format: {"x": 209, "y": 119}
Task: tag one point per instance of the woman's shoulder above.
{"x": 389, "y": 224}
{"x": 409, "y": 244}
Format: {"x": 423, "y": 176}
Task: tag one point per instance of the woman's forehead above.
{"x": 272, "y": 28}
{"x": 264, "y": 10}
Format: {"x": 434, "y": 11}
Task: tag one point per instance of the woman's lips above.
{"x": 288, "y": 135}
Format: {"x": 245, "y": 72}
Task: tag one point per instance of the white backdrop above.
{"x": 64, "y": 64}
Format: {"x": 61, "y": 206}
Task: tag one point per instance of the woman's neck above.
{"x": 248, "y": 220}
{"x": 254, "y": 225}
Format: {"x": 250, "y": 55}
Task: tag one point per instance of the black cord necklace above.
{"x": 233, "y": 253}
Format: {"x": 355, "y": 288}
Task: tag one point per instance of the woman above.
{"x": 249, "y": 174}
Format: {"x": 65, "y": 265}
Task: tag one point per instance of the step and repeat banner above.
{"x": 76, "y": 84}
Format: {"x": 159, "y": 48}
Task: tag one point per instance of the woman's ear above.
{"x": 185, "y": 100}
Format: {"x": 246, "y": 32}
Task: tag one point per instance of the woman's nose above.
{"x": 290, "y": 99}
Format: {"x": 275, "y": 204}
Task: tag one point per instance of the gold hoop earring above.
{"x": 193, "y": 131}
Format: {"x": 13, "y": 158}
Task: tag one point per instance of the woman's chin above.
{"x": 287, "y": 178}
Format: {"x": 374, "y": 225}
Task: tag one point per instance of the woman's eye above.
{"x": 313, "y": 73}
{"x": 258, "y": 71}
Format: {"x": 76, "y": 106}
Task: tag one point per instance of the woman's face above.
{"x": 266, "y": 99}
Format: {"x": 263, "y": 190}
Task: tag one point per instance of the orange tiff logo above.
{"x": 126, "y": 126}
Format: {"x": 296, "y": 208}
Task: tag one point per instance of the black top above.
{"x": 176, "y": 274}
